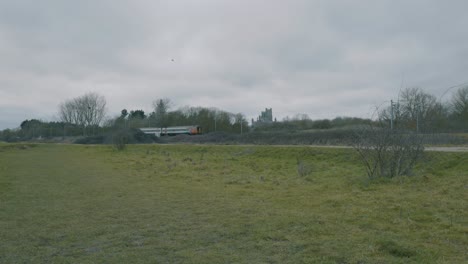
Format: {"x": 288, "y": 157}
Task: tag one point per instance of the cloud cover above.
{"x": 322, "y": 58}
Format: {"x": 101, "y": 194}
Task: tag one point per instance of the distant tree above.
{"x": 177, "y": 118}
{"x": 440, "y": 117}
{"x": 123, "y": 113}
{"x": 94, "y": 108}
{"x": 87, "y": 110}
{"x": 240, "y": 123}
{"x": 68, "y": 112}
{"x": 117, "y": 122}
{"x": 135, "y": 119}
{"x": 301, "y": 121}
{"x": 140, "y": 114}
{"x": 459, "y": 104}
{"x": 223, "y": 120}
{"x": 322, "y": 124}
{"x": 349, "y": 121}
{"x": 8, "y": 135}
{"x": 417, "y": 109}
{"x": 161, "y": 108}
{"x": 31, "y": 128}
{"x": 301, "y": 117}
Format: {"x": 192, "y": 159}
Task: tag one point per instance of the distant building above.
{"x": 265, "y": 117}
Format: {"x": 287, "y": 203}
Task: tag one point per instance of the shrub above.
{"x": 120, "y": 139}
{"x": 393, "y": 248}
{"x": 90, "y": 140}
{"x": 303, "y": 169}
{"x": 137, "y": 136}
{"x": 388, "y": 152}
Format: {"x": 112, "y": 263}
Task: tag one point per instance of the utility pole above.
{"x": 215, "y": 119}
{"x": 417, "y": 120}
{"x": 391, "y": 114}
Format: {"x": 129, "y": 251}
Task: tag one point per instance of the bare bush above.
{"x": 303, "y": 169}
{"x": 120, "y": 139}
{"x": 387, "y": 152}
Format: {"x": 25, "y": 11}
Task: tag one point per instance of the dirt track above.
{"x": 447, "y": 149}
{"x": 440, "y": 149}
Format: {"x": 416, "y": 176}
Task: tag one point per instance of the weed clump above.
{"x": 396, "y": 250}
{"x": 303, "y": 169}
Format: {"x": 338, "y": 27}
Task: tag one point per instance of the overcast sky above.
{"x": 322, "y": 58}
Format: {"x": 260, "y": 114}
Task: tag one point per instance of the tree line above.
{"x": 210, "y": 119}
{"x": 393, "y": 145}
{"x": 85, "y": 116}
{"x": 414, "y": 110}
{"x": 422, "y": 112}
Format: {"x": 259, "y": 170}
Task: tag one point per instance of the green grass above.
{"x": 225, "y": 204}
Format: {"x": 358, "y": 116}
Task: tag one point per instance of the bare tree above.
{"x": 240, "y": 123}
{"x": 92, "y": 108}
{"x": 417, "y": 108}
{"x": 68, "y": 112}
{"x": 460, "y": 103}
{"x": 86, "y": 110}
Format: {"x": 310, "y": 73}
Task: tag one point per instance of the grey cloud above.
{"x": 323, "y": 58}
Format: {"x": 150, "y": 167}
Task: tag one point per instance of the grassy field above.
{"x": 226, "y": 204}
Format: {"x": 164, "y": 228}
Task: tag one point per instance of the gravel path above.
{"x": 440, "y": 149}
{"x": 447, "y": 149}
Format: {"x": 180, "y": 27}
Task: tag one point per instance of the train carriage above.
{"x": 172, "y": 131}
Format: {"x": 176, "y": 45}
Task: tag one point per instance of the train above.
{"x": 172, "y": 131}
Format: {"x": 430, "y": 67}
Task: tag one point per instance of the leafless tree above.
{"x": 460, "y": 103}
{"x": 68, "y": 112}
{"x": 417, "y": 108}
{"x": 86, "y": 110}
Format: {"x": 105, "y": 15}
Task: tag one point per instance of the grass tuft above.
{"x": 393, "y": 248}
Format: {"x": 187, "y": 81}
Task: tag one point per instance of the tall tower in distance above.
{"x": 265, "y": 117}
